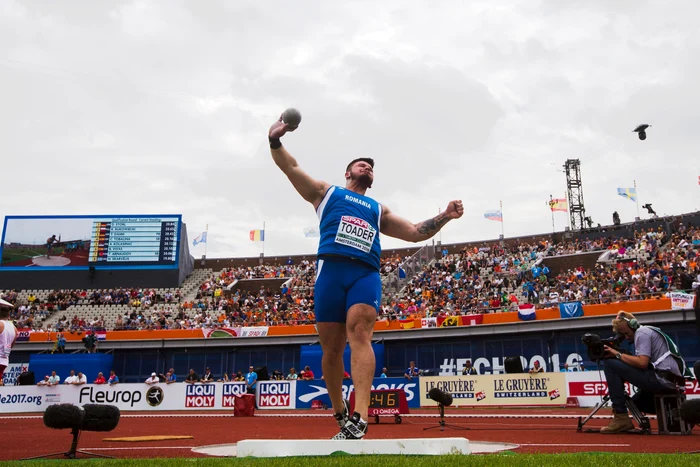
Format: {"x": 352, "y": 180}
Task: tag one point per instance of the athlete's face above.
{"x": 362, "y": 173}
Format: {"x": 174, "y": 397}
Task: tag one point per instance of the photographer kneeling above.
{"x": 655, "y": 369}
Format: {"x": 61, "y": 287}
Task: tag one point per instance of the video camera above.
{"x": 595, "y": 345}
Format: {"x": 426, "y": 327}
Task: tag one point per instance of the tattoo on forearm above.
{"x": 432, "y": 226}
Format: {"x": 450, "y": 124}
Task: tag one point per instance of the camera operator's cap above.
{"x": 4, "y": 303}
{"x": 154, "y": 374}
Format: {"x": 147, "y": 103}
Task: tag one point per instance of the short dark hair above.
{"x": 5, "y": 312}
{"x": 370, "y": 161}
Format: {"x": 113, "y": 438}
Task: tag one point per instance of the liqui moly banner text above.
{"x": 276, "y": 394}
{"x": 200, "y": 396}
{"x": 229, "y": 391}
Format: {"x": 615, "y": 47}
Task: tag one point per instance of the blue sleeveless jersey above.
{"x": 350, "y": 225}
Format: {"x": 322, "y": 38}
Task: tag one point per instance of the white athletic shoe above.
{"x": 342, "y": 418}
{"x": 355, "y": 428}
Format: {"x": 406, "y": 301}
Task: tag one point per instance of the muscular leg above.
{"x": 360, "y": 327}
{"x": 333, "y": 338}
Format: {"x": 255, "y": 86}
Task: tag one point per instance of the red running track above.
{"x": 27, "y": 436}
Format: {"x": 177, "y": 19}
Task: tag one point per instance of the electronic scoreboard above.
{"x": 134, "y": 241}
{"x": 83, "y": 242}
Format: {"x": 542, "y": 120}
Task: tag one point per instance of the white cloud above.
{"x": 160, "y": 107}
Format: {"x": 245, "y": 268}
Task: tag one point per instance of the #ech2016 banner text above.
{"x": 543, "y": 389}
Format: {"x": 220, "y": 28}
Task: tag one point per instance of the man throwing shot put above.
{"x": 348, "y": 286}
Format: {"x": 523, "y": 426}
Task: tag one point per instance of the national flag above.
{"x": 449, "y": 321}
{"x": 494, "y": 215}
{"x": 201, "y": 238}
{"x": 428, "y": 322}
{"x": 526, "y": 312}
{"x": 257, "y": 235}
{"x": 310, "y": 232}
{"x": 472, "y": 320}
{"x": 558, "y": 204}
{"x": 629, "y": 193}
{"x": 571, "y": 309}
{"x": 407, "y": 324}
{"x": 402, "y": 273}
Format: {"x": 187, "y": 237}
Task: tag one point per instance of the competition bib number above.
{"x": 355, "y": 233}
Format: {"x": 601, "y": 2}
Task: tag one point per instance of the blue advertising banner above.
{"x": 309, "y": 391}
{"x": 571, "y": 309}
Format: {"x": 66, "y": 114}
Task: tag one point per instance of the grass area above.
{"x": 507, "y": 459}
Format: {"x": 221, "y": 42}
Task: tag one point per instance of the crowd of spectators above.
{"x": 489, "y": 279}
{"x": 215, "y": 306}
{"x": 78, "y": 379}
{"x": 27, "y": 313}
{"x": 499, "y": 278}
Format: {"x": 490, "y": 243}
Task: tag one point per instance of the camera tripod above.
{"x": 442, "y": 424}
{"x": 639, "y": 417}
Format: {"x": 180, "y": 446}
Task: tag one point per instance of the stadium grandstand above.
{"x": 608, "y": 265}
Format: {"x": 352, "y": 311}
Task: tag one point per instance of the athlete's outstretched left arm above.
{"x": 398, "y": 227}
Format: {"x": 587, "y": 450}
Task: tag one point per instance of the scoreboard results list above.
{"x": 134, "y": 241}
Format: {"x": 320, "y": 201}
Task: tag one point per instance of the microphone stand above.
{"x": 442, "y": 424}
{"x": 72, "y": 453}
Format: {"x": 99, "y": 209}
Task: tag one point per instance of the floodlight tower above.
{"x": 574, "y": 191}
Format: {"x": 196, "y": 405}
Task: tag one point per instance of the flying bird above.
{"x": 641, "y": 129}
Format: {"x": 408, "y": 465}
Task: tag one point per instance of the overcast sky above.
{"x": 152, "y": 107}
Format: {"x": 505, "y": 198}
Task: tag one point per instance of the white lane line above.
{"x": 132, "y": 449}
{"x": 581, "y": 445}
{"x": 291, "y": 415}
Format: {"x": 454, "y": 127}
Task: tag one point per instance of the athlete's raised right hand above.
{"x": 279, "y": 128}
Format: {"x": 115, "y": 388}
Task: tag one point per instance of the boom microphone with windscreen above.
{"x": 64, "y": 416}
{"x": 90, "y": 417}
{"x": 440, "y": 396}
{"x": 444, "y": 399}
{"x": 690, "y": 412}
{"x": 100, "y": 417}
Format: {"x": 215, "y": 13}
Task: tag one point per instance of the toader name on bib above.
{"x": 356, "y": 233}
{"x": 350, "y": 225}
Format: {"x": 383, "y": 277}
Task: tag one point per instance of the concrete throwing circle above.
{"x": 476, "y": 447}
{"x": 53, "y": 261}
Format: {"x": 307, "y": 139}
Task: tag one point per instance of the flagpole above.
{"x": 205, "y": 243}
{"x": 551, "y": 208}
{"x": 636, "y": 195}
{"x": 440, "y": 212}
{"x": 503, "y": 234}
{"x": 263, "y": 240}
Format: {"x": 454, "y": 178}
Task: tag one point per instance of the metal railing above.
{"x": 397, "y": 279}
